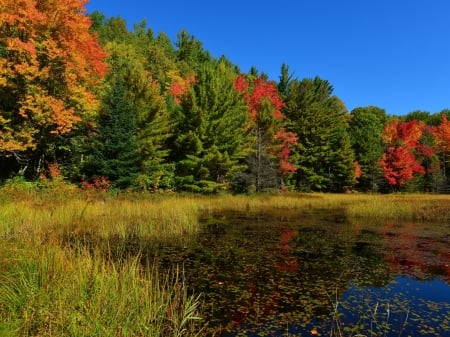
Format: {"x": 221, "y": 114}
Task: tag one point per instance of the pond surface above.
{"x": 273, "y": 275}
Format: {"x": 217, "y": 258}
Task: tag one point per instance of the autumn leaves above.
{"x": 49, "y": 66}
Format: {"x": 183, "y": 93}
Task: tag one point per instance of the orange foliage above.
{"x": 442, "y": 135}
{"x": 399, "y": 162}
{"x": 403, "y": 133}
{"x": 358, "y": 170}
{"x": 48, "y": 70}
{"x": 180, "y": 86}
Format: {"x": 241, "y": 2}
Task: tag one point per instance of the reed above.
{"x": 413, "y": 207}
{"x": 57, "y": 292}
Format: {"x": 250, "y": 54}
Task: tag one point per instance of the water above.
{"x": 289, "y": 276}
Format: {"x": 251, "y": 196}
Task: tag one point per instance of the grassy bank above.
{"x": 71, "y": 264}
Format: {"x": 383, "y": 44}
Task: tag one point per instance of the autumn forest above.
{"x": 86, "y": 100}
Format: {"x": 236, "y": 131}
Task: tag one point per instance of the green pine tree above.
{"x": 210, "y": 141}
{"x": 365, "y": 129}
{"x": 114, "y": 151}
{"x": 318, "y": 118}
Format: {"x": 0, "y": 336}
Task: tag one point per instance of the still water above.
{"x": 283, "y": 275}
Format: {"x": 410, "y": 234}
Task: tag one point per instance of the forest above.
{"x": 85, "y": 100}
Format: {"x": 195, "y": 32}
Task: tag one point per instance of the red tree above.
{"x": 399, "y": 162}
{"x": 265, "y": 104}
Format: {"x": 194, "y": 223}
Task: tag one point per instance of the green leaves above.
{"x": 210, "y": 132}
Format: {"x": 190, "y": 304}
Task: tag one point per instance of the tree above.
{"x": 114, "y": 154}
{"x": 399, "y": 162}
{"x": 50, "y": 66}
{"x": 366, "y": 126}
{"x": 319, "y": 120}
{"x": 153, "y": 125}
{"x": 269, "y": 161}
{"x": 137, "y": 59}
{"x": 190, "y": 52}
{"x": 285, "y": 81}
{"x": 441, "y": 134}
{"x": 210, "y": 138}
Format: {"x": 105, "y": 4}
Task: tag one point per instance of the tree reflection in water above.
{"x": 282, "y": 276}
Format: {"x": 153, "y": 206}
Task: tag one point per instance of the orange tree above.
{"x": 441, "y": 134}
{"x": 49, "y": 68}
{"x": 400, "y": 161}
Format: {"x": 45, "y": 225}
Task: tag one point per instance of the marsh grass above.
{"x": 410, "y": 207}
{"x": 57, "y": 292}
{"x": 72, "y": 264}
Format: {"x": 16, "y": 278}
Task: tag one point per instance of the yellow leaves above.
{"x": 50, "y": 112}
{"x": 390, "y": 132}
{"x": 442, "y": 135}
{"x": 14, "y": 140}
{"x": 15, "y": 44}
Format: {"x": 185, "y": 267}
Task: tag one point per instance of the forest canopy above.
{"x": 86, "y": 100}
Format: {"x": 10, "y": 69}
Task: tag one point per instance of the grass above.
{"x": 71, "y": 262}
{"x": 54, "y": 292}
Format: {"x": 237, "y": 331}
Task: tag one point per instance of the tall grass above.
{"x": 56, "y": 292}
{"x": 72, "y": 266}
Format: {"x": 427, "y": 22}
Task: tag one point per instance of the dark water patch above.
{"x": 274, "y": 275}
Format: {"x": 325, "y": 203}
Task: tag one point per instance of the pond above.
{"x": 284, "y": 275}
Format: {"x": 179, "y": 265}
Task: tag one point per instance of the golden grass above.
{"x": 42, "y": 217}
{"x": 415, "y": 207}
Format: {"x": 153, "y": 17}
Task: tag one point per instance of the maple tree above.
{"x": 50, "y": 66}
{"x": 179, "y": 86}
{"x": 399, "y": 162}
{"x": 272, "y": 140}
{"x": 442, "y": 136}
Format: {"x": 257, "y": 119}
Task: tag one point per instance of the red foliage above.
{"x": 399, "y": 162}
{"x": 258, "y": 94}
{"x": 241, "y": 84}
{"x": 179, "y": 88}
{"x": 288, "y": 139}
{"x": 98, "y": 183}
{"x": 399, "y": 165}
{"x": 403, "y": 133}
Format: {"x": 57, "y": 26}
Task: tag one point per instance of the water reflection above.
{"x": 284, "y": 276}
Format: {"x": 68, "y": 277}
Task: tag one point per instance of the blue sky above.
{"x": 394, "y": 54}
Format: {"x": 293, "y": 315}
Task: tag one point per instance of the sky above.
{"x": 394, "y": 54}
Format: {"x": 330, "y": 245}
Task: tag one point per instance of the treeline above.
{"x": 101, "y": 106}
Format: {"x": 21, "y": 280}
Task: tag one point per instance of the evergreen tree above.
{"x": 114, "y": 151}
{"x": 342, "y": 172}
{"x": 318, "y": 118}
{"x": 285, "y": 81}
{"x": 210, "y": 141}
{"x": 365, "y": 128}
{"x": 190, "y": 53}
{"x": 141, "y": 62}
